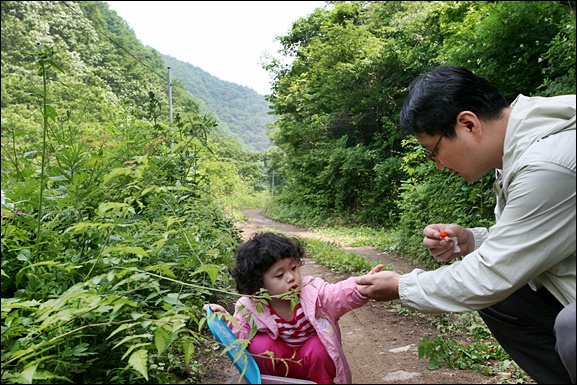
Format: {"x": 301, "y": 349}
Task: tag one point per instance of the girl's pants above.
{"x": 527, "y": 327}
{"x": 315, "y": 363}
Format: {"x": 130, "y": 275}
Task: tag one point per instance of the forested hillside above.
{"x": 337, "y": 105}
{"x": 245, "y": 111}
{"x": 116, "y": 221}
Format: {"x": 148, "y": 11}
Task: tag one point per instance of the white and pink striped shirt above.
{"x": 296, "y": 331}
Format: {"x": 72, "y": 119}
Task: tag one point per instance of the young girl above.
{"x": 308, "y": 332}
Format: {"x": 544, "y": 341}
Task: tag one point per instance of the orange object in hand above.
{"x": 443, "y": 235}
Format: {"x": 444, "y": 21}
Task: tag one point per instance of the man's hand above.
{"x": 443, "y": 248}
{"x": 381, "y": 286}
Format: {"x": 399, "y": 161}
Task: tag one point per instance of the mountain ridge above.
{"x": 245, "y": 111}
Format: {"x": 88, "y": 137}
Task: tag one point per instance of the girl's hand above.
{"x": 360, "y": 278}
{"x": 376, "y": 269}
{"x": 215, "y": 308}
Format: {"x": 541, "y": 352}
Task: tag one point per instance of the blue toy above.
{"x": 242, "y": 359}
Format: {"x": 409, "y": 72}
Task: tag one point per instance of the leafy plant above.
{"x": 331, "y": 255}
{"x": 480, "y": 351}
{"x": 104, "y": 278}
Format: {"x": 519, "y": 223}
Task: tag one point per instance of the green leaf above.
{"x": 210, "y": 269}
{"x": 28, "y": 373}
{"x": 433, "y": 364}
{"x": 163, "y": 268}
{"x": 188, "y": 347}
{"x": 147, "y": 190}
{"x": 130, "y": 338}
{"x": 116, "y": 172}
{"x": 50, "y": 112}
{"x": 162, "y": 339}
{"x": 126, "y": 250}
{"x": 119, "y": 329}
{"x": 81, "y": 226}
{"x": 130, "y": 349}
{"x": 138, "y": 361}
{"x": 14, "y": 303}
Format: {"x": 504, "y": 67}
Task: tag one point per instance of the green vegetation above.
{"x": 240, "y": 108}
{"x": 480, "y": 352}
{"x": 343, "y": 160}
{"x": 118, "y": 223}
{"x": 332, "y": 256}
{"x": 114, "y": 229}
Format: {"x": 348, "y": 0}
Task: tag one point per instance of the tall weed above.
{"x": 111, "y": 244}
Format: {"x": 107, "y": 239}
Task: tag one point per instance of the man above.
{"x": 520, "y": 273}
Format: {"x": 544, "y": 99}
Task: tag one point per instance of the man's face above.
{"x": 457, "y": 154}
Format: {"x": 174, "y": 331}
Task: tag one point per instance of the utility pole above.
{"x": 170, "y": 108}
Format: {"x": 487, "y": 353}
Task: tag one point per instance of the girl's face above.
{"x": 283, "y": 276}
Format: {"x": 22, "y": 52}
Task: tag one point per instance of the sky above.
{"x": 227, "y": 39}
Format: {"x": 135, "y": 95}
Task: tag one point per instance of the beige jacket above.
{"x": 533, "y": 240}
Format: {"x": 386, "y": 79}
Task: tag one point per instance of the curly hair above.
{"x": 255, "y": 256}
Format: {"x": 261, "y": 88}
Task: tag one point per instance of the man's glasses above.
{"x": 430, "y": 154}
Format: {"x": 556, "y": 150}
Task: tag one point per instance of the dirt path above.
{"x": 380, "y": 344}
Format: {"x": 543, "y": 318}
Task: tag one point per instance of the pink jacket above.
{"x": 324, "y": 304}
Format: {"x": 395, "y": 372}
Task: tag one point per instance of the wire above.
{"x": 118, "y": 45}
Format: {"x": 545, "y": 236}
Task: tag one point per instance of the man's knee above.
{"x": 565, "y": 334}
{"x": 565, "y": 321}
